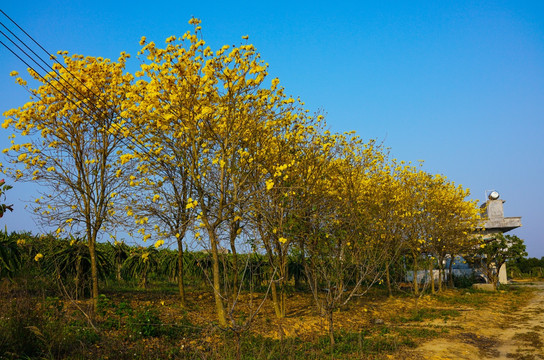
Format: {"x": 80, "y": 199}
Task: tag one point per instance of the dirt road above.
{"x": 485, "y": 334}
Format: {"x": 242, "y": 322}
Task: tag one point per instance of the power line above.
{"x": 90, "y": 108}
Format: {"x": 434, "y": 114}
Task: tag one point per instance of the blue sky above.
{"x": 458, "y": 84}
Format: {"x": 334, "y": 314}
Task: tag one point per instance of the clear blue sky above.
{"x": 459, "y": 84}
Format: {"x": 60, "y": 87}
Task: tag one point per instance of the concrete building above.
{"x": 495, "y": 223}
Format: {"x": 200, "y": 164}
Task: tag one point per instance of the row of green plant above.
{"x": 70, "y": 260}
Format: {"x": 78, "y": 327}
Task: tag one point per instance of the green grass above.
{"x": 472, "y": 298}
{"x": 423, "y": 314}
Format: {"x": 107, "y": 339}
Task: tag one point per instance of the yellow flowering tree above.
{"x": 68, "y": 146}
{"x": 437, "y": 220}
{"x": 453, "y": 221}
{"x": 389, "y": 211}
{"x": 281, "y": 190}
{"x": 204, "y": 119}
{"x": 160, "y": 199}
{"x": 415, "y": 220}
{"x": 343, "y": 259}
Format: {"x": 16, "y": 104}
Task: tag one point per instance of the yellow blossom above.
{"x": 159, "y": 243}
{"x": 191, "y": 203}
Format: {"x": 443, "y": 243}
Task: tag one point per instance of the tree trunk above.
{"x": 431, "y": 273}
{"x": 283, "y": 301}
{"x": 283, "y": 281}
{"x": 451, "y": 271}
{"x": 388, "y": 279}
{"x": 275, "y": 300}
{"x": 118, "y": 271}
{"x": 234, "y": 262}
{"x": 94, "y": 269}
{"x": 441, "y": 273}
{"x": 278, "y": 295}
{"x": 181, "y": 285}
{"x": 416, "y": 282}
{"x": 144, "y": 280}
{"x": 440, "y": 277}
{"x": 219, "y": 306}
{"x": 79, "y": 275}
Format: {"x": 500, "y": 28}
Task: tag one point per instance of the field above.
{"x": 133, "y": 323}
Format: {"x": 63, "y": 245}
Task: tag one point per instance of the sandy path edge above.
{"x": 491, "y": 335}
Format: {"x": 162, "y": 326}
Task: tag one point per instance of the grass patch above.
{"x": 423, "y": 314}
{"x": 472, "y": 298}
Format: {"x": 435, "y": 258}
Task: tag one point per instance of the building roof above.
{"x": 495, "y": 221}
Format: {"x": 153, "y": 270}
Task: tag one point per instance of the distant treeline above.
{"x": 526, "y": 267}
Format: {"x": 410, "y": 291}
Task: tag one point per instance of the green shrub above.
{"x": 19, "y": 326}
{"x": 464, "y": 282}
{"x": 145, "y": 323}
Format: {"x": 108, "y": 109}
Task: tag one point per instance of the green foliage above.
{"x": 168, "y": 263}
{"x": 366, "y": 343}
{"x": 71, "y": 260}
{"x": 526, "y": 267}
{"x": 469, "y": 297}
{"x": 41, "y": 330}
{"x": 423, "y": 314}
{"x": 502, "y": 248}
{"x": 140, "y": 264}
{"x": 464, "y": 282}
{"x": 118, "y": 253}
{"x": 145, "y": 323}
{"x": 3, "y": 188}
{"x": 497, "y": 251}
{"x": 15, "y": 326}
{"x": 10, "y": 256}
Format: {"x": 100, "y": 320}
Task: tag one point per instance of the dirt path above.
{"x": 485, "y": 334}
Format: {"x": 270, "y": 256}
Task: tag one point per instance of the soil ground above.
{"x": 492, "y": 333}
{"x": 464, "y": 325}
{"x": 453, "y": 324}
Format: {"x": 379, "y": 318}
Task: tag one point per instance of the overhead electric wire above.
{"x": 135, "y": 142}
{"x": 51, "y": 57}
{"x": 40, "y": 75}
{"x": 82, "y": 98}
{"x": 43, "y": 77}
